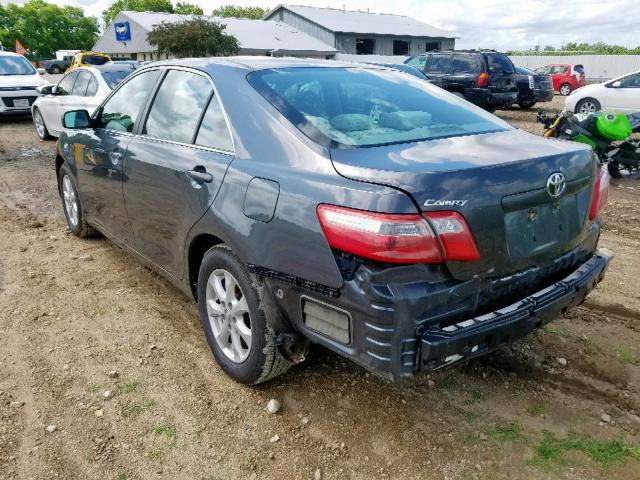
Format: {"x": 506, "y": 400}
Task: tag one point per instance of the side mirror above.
{"x": 41, "y": 70}
{"x": 76, "y": 119}
{"x": 45, "y": 89}
{"x": 616, "y": 84}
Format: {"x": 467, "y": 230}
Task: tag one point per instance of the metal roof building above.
{"x": 364, "y": 33}
{"x": 127, "y": 36}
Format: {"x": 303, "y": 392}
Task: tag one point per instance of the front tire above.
{"x": 56, "y": 70}
{"x": 41, "y": 127}
{"x": 234, "y": 322}
{"x": 565, "y": 89}
{"x": 526, "y": 105}
{"x": 71, "y": 204}
{"x": 588, "y": 105}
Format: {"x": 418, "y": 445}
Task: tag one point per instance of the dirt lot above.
{"x": 564, "y": 403}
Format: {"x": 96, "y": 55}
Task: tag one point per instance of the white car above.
{"x": 621, "y": 95}
{"x": 83, "y": 88}
{"x": 18, "y": 83}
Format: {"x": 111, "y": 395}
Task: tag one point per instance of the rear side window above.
{"x": 465, "y": 63}
{"x": 363, "y": 107}
{"x": 92, "y": 89}
{"x": 578, "y": 68}
{"x": 122, "y": 110}
{"x": 178, "y": 106}
{"x": 499, "y": 63}
{"x": 417, "y": 62}
{"x": 213, "y": 130}
{"x": 66, "y": 84}
{"x": 82, "y": 82}
{"x": 438, "y": 64}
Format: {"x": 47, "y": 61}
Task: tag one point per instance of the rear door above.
{"x": 175, "y": 166}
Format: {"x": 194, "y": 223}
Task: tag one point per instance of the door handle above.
{"x": 200, "y": 175}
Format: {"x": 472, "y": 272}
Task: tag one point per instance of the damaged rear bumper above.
{"x": 477, "y": 336}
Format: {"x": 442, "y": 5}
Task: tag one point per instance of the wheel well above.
{"x": 59, "y": 162}
{"x": 199, "y": 246}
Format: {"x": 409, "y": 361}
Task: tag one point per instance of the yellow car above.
{"x": 88, "y": 59}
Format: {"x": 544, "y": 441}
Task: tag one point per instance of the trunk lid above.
{"x": 498, "y": 182}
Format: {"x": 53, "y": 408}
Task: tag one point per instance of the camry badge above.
{"x": 556, "y": 184}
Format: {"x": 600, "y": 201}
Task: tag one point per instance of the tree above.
{"x": 235, "y": 11}
{"x": 44, "y": 28}
{"x": 187, "y": 9}
{"x": 116, "y": 7}
{"x": 198, "y": 37}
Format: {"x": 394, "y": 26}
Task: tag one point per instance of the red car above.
{"x": 565, "y": 77}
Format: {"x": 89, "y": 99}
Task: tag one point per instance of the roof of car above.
{"x": 8, "y": 54}
{"x": 114, "y": 67}
{"x": 258, "y": 63}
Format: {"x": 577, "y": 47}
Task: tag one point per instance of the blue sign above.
{"x": 123, "y": 32}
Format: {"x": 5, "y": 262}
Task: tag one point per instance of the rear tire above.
{"x": 565, "y": 89}
{"x": 56, "y": 70}
{"x": 72, "y": 205}
{"x": 244, "y": 345}
{"x": 588, "y": 105}
{"x": 41, "y": 127}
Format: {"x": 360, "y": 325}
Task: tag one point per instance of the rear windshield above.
{"x": 15, "y": 66}
{"x": 94, "y": 59}
{"x": 363, "y": 107}
{"x": 114, "y": 77}
{"x": 499, "y": 63}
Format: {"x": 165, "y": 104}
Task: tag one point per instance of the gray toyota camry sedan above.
{"x": 351, "y": 206}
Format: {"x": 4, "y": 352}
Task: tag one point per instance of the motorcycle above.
{"x": 609, "y": 134}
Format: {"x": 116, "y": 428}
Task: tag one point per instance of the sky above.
{"x": 500, "y": 24}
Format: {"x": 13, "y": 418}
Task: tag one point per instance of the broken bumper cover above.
{"x": 443, "y": 346}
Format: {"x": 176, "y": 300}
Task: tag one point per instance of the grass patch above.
{"x": 554, "y": 330}
{"x": 446, "y": 383}
{"x": 169, "y": 431}
{"x": 629, "y": 357}
{"x": 475, "y": 396}
{"x": 605, "y": 452}
{"x": 471, "y": 417}
{"x": 128, "y": 387}
{"x": 536, "y": 410}
{"x": 138, "y": 409}
{"x": 121, "y": 476}
{"x": 155, "y": 454}
{"x": 94, "y": 387}
{"x": 507, "y": 432}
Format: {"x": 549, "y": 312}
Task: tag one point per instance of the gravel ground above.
{"x": 80, "y": 317}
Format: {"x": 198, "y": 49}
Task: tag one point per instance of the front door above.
{"x": 175, "y": 166}
{"x": 100, "y": 162}
{"x": 52, "y": 106}
{"x": 626, "y": 97}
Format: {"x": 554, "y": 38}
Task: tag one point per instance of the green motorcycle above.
{"x": 609, "y": 134}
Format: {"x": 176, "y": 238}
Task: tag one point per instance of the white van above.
{"x": 18, "y": 83}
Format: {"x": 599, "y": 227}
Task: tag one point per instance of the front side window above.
{"x": 122, "y": 110}
{"x": 178, "y": 106}
{"x": 364, "y": 107}
{"x": 17, "y": 65}
{"x": 417, "y": 62}
{"x": 631, "y": 81}
{"x": 66, "y": 84}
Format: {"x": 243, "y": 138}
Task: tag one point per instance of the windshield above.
{"x": 362, "y": 107}
{"x": 15, "y": 66}
{"x": 94, "y": 59}
{"x": 113, "y": 78}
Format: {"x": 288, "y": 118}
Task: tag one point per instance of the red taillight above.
{"x": 600, "y": 193}
{"x": 397, "y": 238}
{"x": 483, "y": 80}
{"x": 455, "y": 236}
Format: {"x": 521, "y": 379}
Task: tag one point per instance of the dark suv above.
{"x": 486, "y": 78}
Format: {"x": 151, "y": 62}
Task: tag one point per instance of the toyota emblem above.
{"x": 556, "y": 184}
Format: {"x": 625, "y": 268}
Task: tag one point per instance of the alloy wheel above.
{"x": 39, "y": 123}
{"x": 228, "y": 314}
{"x": 70, "y": 201}
{"x": 588, "y": 107}
{"x": 565, "y": 90}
